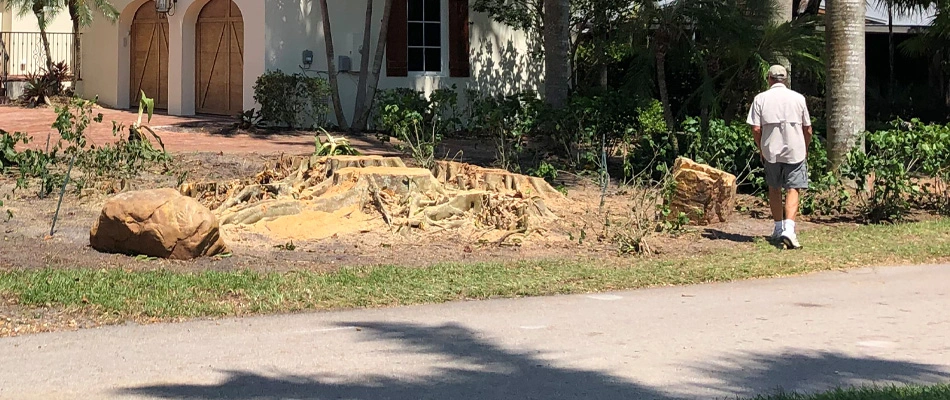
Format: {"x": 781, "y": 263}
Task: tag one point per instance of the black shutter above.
{"x": 397, "y": 63}
{"x": 459, "y": 64}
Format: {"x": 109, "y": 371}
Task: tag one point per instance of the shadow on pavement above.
{"x": 488, "y": 371}
{"x": 750, "y": 374}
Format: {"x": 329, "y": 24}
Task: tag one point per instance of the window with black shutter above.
{"x": 424, "y": 40}
{"x": 415, "y": 40}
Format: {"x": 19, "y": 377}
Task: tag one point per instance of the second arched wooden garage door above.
{"x": 149, "y": 64}
{"x": 219, "y": 59}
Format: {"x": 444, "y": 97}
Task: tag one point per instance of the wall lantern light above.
{"x": 165, "y": 7}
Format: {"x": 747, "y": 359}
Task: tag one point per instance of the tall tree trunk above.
{"x": 784, "y": 9}
{"x": 77, "y": 44}
{"x": 359, "y": 123}
{"x": 665, "y": 100}
{"x": 664, "y": 90}
{"x": 603, "y": 51}
{"x": 362, "y": 120}
{"x": 846, "y": 77}
{"x": 557, "y": 52}
{"x": 890, "y": 50}
{"x": 39, "y": 10}
{"x": 331, "y": 67}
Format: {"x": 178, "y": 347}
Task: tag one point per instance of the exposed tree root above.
{"x": 451, "y": 196}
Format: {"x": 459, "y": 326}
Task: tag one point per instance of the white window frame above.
{"x": 444, "y": 50}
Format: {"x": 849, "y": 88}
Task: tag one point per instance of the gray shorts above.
{"x": 786, "y": 176}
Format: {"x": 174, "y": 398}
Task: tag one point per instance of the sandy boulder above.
{"x": 158, "y": 223}
{"x": 707, "y": 195}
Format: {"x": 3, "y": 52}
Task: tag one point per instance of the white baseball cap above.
{"x": 778, "y": 72}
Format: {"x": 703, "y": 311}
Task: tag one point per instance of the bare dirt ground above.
{"x": 26, "y": 242}
{"x": 206, "y": 149}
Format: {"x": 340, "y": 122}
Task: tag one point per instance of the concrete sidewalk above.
{"x": 887, "y": 325}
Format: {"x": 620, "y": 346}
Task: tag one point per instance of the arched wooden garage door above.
{"x": 220, "y": 59}
{"x": 149, "y": 52}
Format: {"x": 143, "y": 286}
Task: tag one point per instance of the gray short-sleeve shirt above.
{"x": 782, "y": 114}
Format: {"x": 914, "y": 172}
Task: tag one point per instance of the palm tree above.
{"x": 846, "y": 77}
{"x": 82, "y": 13}
{"x": 735, "y": 45}
{"x": 331, "y": 67}
{"x": 898, "y": 7}
{"x": 783, "y": 13}
{"x": 667, "y": 24}
{"x": 934, "y": 42}
{"x": 557, "y": 52}
{"x": 44, "y": 10}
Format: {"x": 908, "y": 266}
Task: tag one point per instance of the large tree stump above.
{"x": 471, "y": 177}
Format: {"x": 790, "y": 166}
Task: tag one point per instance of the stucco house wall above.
{"x": 276, "y": 32}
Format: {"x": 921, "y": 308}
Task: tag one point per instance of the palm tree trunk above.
{"x": 77, "y": 44}
{"x": 846, "y": 77}
{"x": 783, "y": 13}
{"x": 890, "y": 49}
{"x": 331, "y": 67}
{"x": 665, "y": 99}
{"x": 664, "y": 90}
{"x": 557, "y": 52}
{"x": 362, "y": 120}
{"x": 361, "y": 89}
{"x": 39, "y": 9}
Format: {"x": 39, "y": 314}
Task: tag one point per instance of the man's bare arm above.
{"x": 757, "y": 133}
{"x": 807, "y": 131}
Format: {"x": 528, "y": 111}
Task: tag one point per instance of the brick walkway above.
{"x": 180, "y": 134}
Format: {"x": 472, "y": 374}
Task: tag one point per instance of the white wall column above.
{"x": 254, "y": 12}
{"x": 181, "y": 63}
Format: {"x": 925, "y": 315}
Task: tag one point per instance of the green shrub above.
{"x": 418, "y": 122}
{"x": 9, "y": 157}
{"x": 415, "y": 137}
{"x": 888, "y": 173}
{"x": 49, "y": 83}
{"x": 729, "y": 147}
{"x": 124, "y": 159}
{"x": 508, "y": 120}
{"x": 293, "y": 101}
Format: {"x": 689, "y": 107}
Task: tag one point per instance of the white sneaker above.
{"x": 776, "y": 234}
{"x": 790, "y": 240}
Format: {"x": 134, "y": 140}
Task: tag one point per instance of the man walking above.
{"x": 782, "y": 129}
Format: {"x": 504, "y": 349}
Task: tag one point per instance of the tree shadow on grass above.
{"x": 484, "y": 370}
{"x": 715, "y": 234}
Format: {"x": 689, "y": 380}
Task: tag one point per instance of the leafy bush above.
{"x": 294, "y": 101}
{"x": 888, "y": 174}
{"x": 590, "y": 123}
{"x": 124, "y": 159}
{"x": 416, "y": 139}
{"x": 40, "y": 87}
{"x": 508, "y": 120}
{"x": 418, "y": 122}
{"x": 9, "y": 156}
{"x": 652, "y": 147}
{"x": 729, "y": 147}
{"x": 334, "y": 146}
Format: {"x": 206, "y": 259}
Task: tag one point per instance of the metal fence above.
{"x": 22, "y": 53}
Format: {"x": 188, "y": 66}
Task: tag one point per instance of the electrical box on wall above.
{"x": 344, "y": 64}
{"x": 307, "y": 58}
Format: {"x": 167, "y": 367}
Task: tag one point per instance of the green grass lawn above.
{"x": 162, "y": 294}
{"x": 939, "y": 392}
